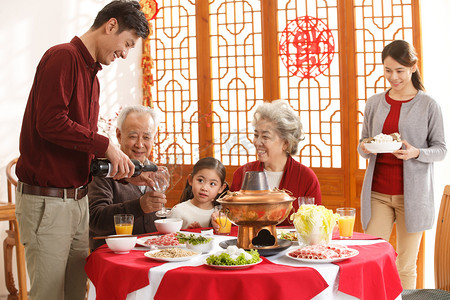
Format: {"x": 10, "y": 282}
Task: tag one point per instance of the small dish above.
{"x": 204, "y": 248}
{"x": 121, "y": 245}
{"x": 169, "y": 225}
{"x": 233, "y": 267}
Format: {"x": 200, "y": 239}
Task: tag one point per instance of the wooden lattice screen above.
{"x": 216, "y": 60}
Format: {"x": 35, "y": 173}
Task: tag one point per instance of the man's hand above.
{"x": 122, "y": 166}
{"x": 152, "y": 201}
{"x": 407, "y": 153}
{"x": 145, "y": 178}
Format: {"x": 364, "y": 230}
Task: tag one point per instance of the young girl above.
{"x": 204, "y": 185}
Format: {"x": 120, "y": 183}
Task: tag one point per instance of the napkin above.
{"x": 356, "y": 236}
{"x": 108, "y": 278}
{"x": 372, "y": 274}
{"x": 280, "y": 282}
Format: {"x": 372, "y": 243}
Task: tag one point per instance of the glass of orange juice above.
{"x": 223, "y": 221}
{"x": 124, "y": 223}
{"x": 346, "y": 221}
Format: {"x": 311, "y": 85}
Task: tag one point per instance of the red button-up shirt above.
{"x": 59, "y": 129}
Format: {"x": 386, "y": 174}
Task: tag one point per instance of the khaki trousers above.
{"x": 387, "y": 210}
{"x": 54, "y": 232}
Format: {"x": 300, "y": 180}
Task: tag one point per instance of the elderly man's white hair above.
{"x": 137, "y": 109}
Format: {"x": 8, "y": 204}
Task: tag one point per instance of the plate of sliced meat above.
{"x": 160, "y": 241}
{"x": 322, "y": 253}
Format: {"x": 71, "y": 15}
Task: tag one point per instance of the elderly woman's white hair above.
{"x": 286, "y": 120}
{"x": 137, "y": 109}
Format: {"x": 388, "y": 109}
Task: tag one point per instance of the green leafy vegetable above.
{"x": 225, "y": 259}
{"x": 192, "y": 239}
{"x": 314, "y": 223}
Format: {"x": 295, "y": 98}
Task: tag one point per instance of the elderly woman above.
{"x": 278, "y": 131}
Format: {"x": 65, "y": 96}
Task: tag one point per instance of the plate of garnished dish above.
{"x": 322, "y": 253}
{"x": 383, "y": 143}
{"x": 233, "y": 258}
{"x": 172, "y": 254}
{"x": 160, "y": 241}
{"x": 234, "y": 267}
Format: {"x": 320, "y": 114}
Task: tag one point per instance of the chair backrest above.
{"x": 11, "y": 179}
{"x": 442, "y": 244}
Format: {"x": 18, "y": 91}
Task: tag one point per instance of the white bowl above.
{"x": 387, "y": 147}
{"x": 169, "y": 225}
{"x": 121, "y": 245}
{"x": 201, "y": 247}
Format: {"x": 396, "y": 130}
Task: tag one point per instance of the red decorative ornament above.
{"x": 306, "y": 47}
{"x": 150, "y": 8}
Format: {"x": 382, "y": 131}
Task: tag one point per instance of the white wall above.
{"x": 28, "y": 28}
{"x": 436, "y": 66}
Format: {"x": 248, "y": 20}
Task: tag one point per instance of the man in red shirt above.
{"x": 58, "y": 140}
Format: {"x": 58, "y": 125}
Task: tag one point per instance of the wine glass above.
{"x": 161, "y": 179}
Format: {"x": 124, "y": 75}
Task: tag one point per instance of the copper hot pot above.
{"x": 256, "y": 210}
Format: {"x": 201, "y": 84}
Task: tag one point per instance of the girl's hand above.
{"x": 363, "y": 148}
{"x": 214, "y": 216}
{"x": 194, "y": 225}
{"x": 407, "y": 153}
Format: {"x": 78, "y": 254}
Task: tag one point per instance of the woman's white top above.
{"x": 273, "y": 178}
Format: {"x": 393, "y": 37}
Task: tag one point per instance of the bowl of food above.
{"x": 121, "y": 245}
{"x": 383, "y": 143}
{"x": 169, "y": 225}
{"x": 196, "y": 242}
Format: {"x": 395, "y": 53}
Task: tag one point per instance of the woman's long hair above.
{"x": 405, "y": 54}
{"x": 205, "y": 163}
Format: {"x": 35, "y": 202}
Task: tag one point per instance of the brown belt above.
{"x": 75, "y": 194}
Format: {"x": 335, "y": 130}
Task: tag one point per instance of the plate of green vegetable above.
{"x": 196, "y": 242}
{"x": 233, "y": 258}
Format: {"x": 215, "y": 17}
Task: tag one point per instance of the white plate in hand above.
{"x": 387, "y": 147}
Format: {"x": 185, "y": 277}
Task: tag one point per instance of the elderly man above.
{"x": 136, "y": 130}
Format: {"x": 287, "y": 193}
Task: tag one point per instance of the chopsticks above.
{"x": 123, "y": 235}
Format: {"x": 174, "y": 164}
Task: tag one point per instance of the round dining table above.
{"x": 372, "y": 274}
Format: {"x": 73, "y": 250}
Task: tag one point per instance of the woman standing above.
{"x": 278, "y": 131}
{"x": 398, "y": 187}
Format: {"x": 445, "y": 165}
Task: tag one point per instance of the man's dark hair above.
{"x": 128, "y": 15}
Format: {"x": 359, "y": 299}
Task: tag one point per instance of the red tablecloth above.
{"x": 372, "y": 274}
{"x": 203, "y": 282}
{"x": 112, "y": 280}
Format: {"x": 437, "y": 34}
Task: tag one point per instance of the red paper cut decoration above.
{"x": 306, "y": 47}
{"x": 150, "y": 8}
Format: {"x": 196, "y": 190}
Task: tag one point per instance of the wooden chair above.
{"x": 442, "y": 244}
{"x": 7, "y": 213}
{"x": 441, "y": 257}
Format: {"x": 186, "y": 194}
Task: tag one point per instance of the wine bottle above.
{"x": 102, "y": 167}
